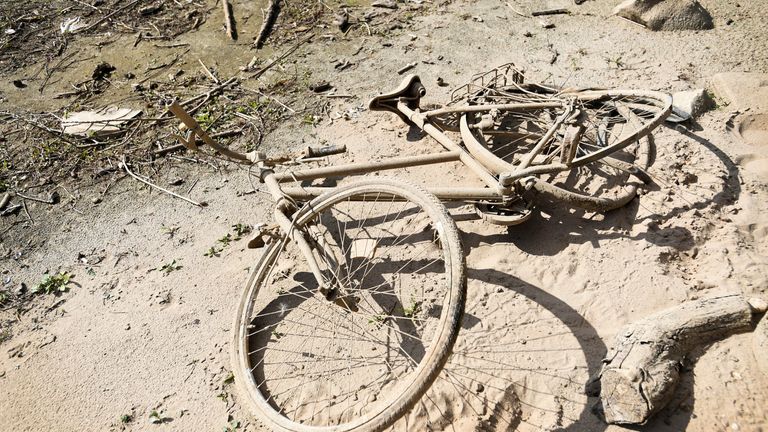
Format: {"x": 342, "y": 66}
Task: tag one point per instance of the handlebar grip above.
{"x": 312, "y": 152}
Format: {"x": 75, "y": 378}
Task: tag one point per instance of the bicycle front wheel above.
{"x": 357, "y": 356}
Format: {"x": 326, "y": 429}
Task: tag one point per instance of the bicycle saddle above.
{"x": 410, "y": 90}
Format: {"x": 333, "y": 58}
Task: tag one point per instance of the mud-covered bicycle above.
{"x": 355, "y": 304}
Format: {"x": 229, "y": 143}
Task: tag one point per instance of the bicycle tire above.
{"x": 598, "y": 108}
{"x": 404, "y": 394}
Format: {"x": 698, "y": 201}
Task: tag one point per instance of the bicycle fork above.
{"x": 285, "y": 216}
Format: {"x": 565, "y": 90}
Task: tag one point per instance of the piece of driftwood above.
{"x": 642, "y": 370}
{"x": 269, "y": 21}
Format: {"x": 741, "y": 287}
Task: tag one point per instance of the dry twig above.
{"x": 124, "y": 166}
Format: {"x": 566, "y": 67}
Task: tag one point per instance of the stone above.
{"x": 386, "y": 4}
{"x": 666, "y": 14}
{"x": 743, "y": 90}
{"x": 691, "y": 103}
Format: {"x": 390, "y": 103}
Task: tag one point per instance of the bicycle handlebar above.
{"x": 252, "y": 157}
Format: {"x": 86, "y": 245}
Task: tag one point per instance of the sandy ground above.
{"x": 545, "y": 298}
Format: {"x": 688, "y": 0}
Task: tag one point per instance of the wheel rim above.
{"x": 315, "y": 365}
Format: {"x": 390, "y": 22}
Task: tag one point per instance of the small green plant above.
{"x": 255, "y": 105}
{"x": 3, "y": 297}
{"x": 241, "y": 230}
{"x": 225, "y": 240}
{"x": 232, "y": 426}
{"x": 154, "y": 417}
{"x": 169, "y": 231}
{"x": 205, "y": 120}
{"x": 308, "y": 119}
{"x": 377, "y": 319}
{"x": 574, "y": 65}
{"x": 53, "y": 284}
{"x": 412, "y": 309}
{"x": 277, "y": 334}
{"x": 615, "y": 62}
{"x": 230, "y": 378}
{"x": 126, "y": 418}
{"x": 170, "y": 267}
{"x": 212, "y": 252}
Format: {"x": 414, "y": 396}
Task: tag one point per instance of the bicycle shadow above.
{"x": 731, "y": 188}
{"x": 562, "y": 226}
{"x": 562, "y": 229}
{"x": 522, "y": 402}
{"x": 537, "y": 383}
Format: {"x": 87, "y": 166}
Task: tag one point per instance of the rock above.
{"x": 691, "y": 103}
{"x": 386, "y": 4}
{"x": 743, "y": 89}
{"x": 758, "y": 305}
{"x": 666, "y": 14}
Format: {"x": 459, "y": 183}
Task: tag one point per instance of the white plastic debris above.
{"x": 106, "y": 121}
{"x": 71, "y": 25}
{"x": 10, "y": 31}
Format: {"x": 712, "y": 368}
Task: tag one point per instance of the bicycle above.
{"x": 355, "y": 304}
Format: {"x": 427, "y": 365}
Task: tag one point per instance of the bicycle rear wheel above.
{"x": 598, "y": 140}
{"x": 357, "y": 358}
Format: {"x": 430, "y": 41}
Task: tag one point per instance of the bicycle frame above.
{"x": 503, "y": 182}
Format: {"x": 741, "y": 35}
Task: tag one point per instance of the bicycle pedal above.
{"x": 264, "y": 234}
